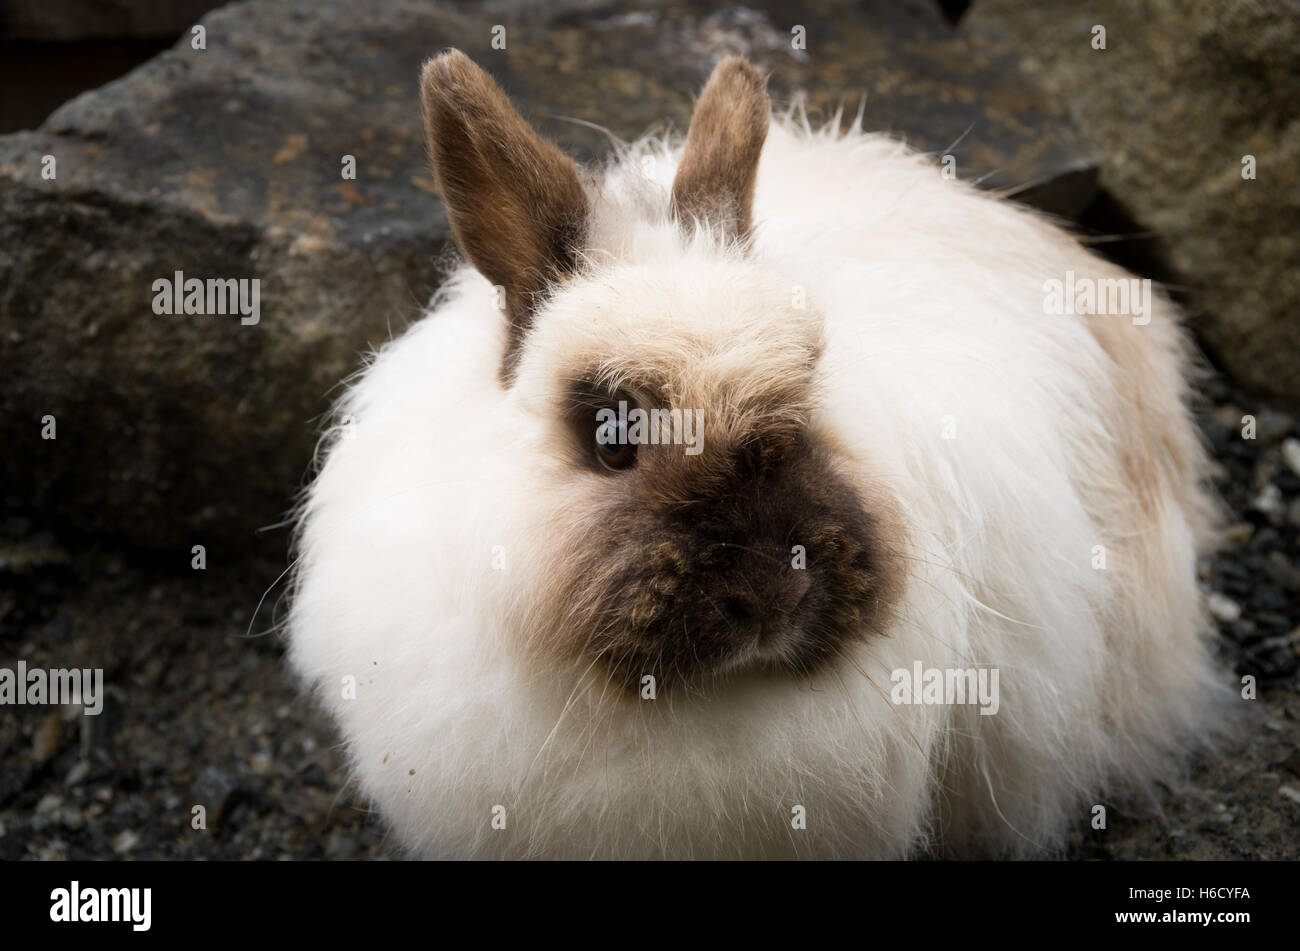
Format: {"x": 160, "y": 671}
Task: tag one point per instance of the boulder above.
{"x": 1186, "y": 100}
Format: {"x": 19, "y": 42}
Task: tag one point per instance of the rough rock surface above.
{"x": 226, "y": 162}
{"x": 1182, "y": 92}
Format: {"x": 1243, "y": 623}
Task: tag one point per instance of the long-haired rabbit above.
{"x": 754, "y": 496}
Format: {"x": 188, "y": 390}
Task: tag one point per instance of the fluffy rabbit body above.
{"x": 973, "y": 482}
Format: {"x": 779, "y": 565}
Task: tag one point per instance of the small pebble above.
{"x": 1238, "y": 533}
{"x": 56, "y": 850}
{"x": 78, "y": 773}
{"x": 1291, "y": 454}
{"x": 1289, "y": 793}
{"x": 1223, "y": 608}
{"x": 1271, "y": 425}
{"x": 45, "y": 743}
{"x": 125, "y": 841}
{"x": 1272, "y": 643}
{"x": 1269, "y": 501}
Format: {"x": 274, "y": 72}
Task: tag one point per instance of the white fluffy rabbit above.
{"x": 887, "y": 458}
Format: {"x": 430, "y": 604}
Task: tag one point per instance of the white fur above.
{"x": 932, "y": 299}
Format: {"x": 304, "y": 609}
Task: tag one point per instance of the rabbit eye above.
{"x": 612, "y": 446}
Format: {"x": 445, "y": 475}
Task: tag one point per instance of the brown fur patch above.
{"x": 514, "y": 200}
{"x": 685, "y": 569}
{"x": 1158, "y": 453}
{"x": 715, "y": 181}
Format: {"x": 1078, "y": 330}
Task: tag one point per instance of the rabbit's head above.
{"x": 689, "y": 512}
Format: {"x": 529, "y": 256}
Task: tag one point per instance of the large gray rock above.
{"x": 1183, "y": 91}
{"x": 226, "y": 163}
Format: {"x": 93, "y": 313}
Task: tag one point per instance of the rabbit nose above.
{"x": 792, "y": 589}
{"x": 783, "y": 594}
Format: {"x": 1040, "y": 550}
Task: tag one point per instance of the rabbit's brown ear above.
{"x": 715, "y": 182}
{"x": 513, "y": 199}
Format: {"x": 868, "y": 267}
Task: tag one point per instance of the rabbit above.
{"x": 544, "y": 633}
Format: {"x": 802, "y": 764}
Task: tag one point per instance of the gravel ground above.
{"x": 196, "y": 713}
{"x": 199, "y": 713}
